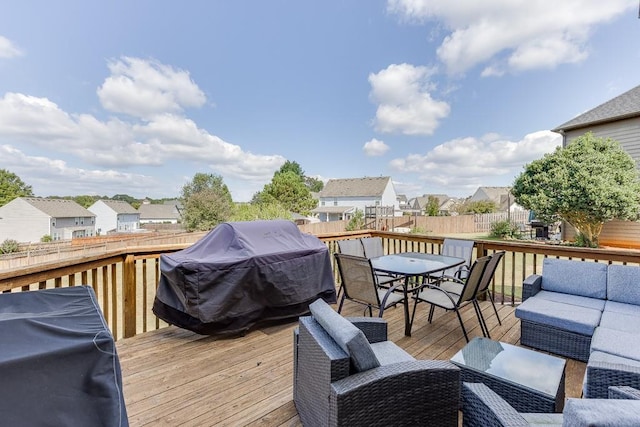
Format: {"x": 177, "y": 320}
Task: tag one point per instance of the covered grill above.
{"x": 242, "y": 273}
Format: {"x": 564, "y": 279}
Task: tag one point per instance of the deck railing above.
{"x": 125, "y": 279}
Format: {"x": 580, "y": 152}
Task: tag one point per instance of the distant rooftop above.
{"x": 355, "y": 187}
{"x": 58, "y": 208}
{"x": 621, "y": 107}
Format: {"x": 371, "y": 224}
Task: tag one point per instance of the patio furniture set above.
{"x": 346, "y": 372}
{"x": 589, "y": 312}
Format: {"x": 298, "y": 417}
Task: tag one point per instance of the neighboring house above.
{"x": 159, "y": 214}
{"x": 340, "y": 198}
{"x": 501, "y": 196}
{"x": 445, "y": 203}
{"x": 115, "y": 216}
{"x": 403, "y": 202}
{"x": 28, "y": 219}
{"x": 618, "y": 119}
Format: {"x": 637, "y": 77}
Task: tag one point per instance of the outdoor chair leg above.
{"x": 494, "y": 307}
{"x": 341, "y": 302}
{"x": 483, "y": 323}
{"x": 431, "y": 310}
{"x": 464, "y": 331}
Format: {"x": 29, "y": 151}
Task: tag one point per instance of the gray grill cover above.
{"x": 242, "y": 273}
{"x": 58, "y": 361}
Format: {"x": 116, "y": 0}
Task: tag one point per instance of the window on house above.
{"x": 77, "y": 220}
{"x": 335, "y": 202}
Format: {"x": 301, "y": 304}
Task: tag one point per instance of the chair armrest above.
{"x": 531, "y": 286}
{"x": 406, "y": 393}
{"x": 481, "y": 406}
{"x": 623, "y": 392}
{"x": 374, "y": 328}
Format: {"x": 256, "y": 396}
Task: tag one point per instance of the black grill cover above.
{"x": 242, "y": 273}
{"x": 58, "y": 361}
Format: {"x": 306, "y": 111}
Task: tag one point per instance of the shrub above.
{"x": 9, "y": 246}
{"x": 47, "y": 238}
{"x": 504, "y": 230}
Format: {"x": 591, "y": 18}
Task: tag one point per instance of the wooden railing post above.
{"x": 129, "y": 295}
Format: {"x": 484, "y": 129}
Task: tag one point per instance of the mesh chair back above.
{"x": 372, "y": 247}
{"x": 358, "y": 280}
{"x": 489, "y": 272}
{"x": 459, "y": 249}
{"x": 351, "y": 247}
{"x": 473, "y": 280}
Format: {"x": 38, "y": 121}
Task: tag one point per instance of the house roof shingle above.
{"x": 355, "y": 187}
{"x": 621, "y": 107}
{"x": 58, "y": 208}
{"x": 149, "y": 211}
{"x": 120, "y": 207}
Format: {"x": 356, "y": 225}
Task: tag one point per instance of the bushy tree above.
{"x": 9, "y": 246}
{"x": 206, "y": 202}
{"x": 589, "y": 182}
{"x": 433, "y": 206}
{"x": 356, "y": 222}
{"x": 479, "y": 207}
{"x": 11, "y": 187}
{"x": 255, "y": 211}
{"x": 289, "y": 190}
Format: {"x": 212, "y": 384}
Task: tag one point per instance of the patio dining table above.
{"x": 413, "y": 264}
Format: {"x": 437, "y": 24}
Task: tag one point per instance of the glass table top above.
{"x": 524, "y": 367}
{"x": 414, "y": 263}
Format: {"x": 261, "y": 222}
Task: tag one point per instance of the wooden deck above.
{"x": 173, "y": 377}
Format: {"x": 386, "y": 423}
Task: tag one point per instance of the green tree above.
{"x": 255, "y": 211}
{"x": 313, "y": 184}
{"x": 289, "y": 190}
{"x": 206, "y": 201}
{"x": 290, "y": 166}
{"x": 356, "y": 222}
{"x": 11, "y": 186}
{"x": 479, "y": 207}
{"x": 433, "y": 206}
{"x": 589, "y": 182}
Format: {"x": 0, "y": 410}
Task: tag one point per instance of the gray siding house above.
{"x": 618, "y": 119}
{"x": 28, "y": 219}
{"x": 340, "y": 198}
{"x": 159, "y": 214}
{"x": 115, "y": 216}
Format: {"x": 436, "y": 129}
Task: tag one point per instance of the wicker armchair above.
{"x": 328, "y": 390}
{"x": 483, "y": 407}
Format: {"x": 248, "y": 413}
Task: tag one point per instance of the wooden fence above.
{"x": 125, "y": 279}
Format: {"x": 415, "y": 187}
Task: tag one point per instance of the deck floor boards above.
{"x": 173, "y": 377}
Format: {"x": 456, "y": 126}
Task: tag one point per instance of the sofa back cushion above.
{"x": 623, "y": 284}
{"x": 588, "y": 279}
{"x": 351, "y": 339}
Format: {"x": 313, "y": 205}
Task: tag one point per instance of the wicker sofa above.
{"x": 483, "y": 407}
{"x": 346, "y": 373}
{"x": 589, "y": 312}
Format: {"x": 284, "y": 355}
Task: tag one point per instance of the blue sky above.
{"x": 442, "y": 95}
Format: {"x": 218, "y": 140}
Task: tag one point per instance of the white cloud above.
{"x": 143, "y": 88}
{"x": 402, "y": 92}
{"x": 375, "y": 148}
{"x": 8, "y": 49}
{"x": 163, "y": 138}
{"x": 56, "y": 177}
{"x": 466, "y": 163}
{"x": 512, "y": 35}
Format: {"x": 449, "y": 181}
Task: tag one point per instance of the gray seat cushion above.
{"x": 601, "y": 413}
{"x": 621, "y": 321}
{"x": 594, "y": 303}
{"x": 351, "y": 339}
{"x": 388, "y": 352}
{"x": 619, "y": 343}
{"x": 543, "y": 420}
{"x": 620, "y": 307}
{"x": 623, "y": 284}
{"x": 588, "y": 279}
{"x": 572, "y": 318}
